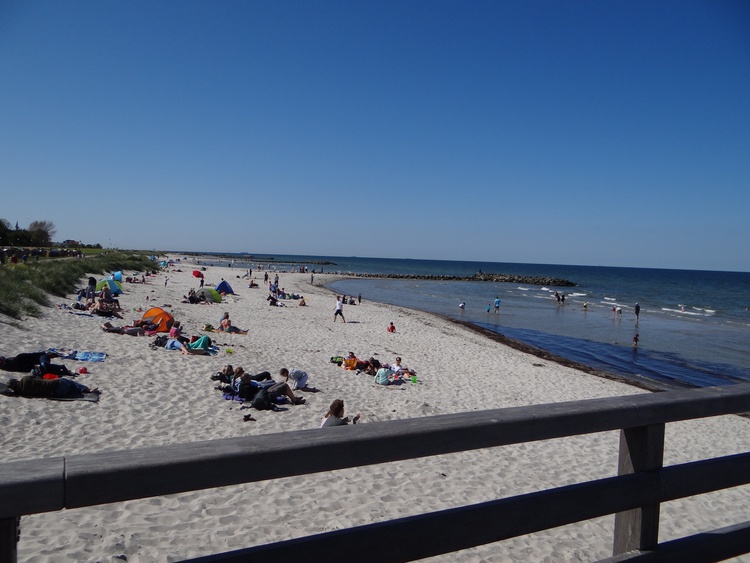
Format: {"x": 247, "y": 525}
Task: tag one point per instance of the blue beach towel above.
{"x": 67, "y": 354}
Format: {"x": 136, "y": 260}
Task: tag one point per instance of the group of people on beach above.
{"x": 43, "y": 379}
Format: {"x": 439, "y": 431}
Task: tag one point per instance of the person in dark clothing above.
{"x": 25, "y": 362}
{"x": 30, "y": 386}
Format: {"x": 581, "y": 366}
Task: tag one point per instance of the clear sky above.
{"x": 586, "y": 132}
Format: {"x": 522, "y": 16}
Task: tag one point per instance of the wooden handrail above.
{"x": 28, "y": 487}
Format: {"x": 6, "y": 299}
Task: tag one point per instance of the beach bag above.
{"x": 337, "y": 360}
{"x": 262, "y": 400}
{"x": 161, "y": 340}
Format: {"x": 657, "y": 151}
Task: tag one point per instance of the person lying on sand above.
{"x": 30, "y": 386}
{"x": 130, "y": 330}
{"x": 236, "y": 378}
{"x": 335, "y": 415}
{"x": 26, "y": 361}
{"x": 269, "y": 391}
{"x": 197, "y": 348}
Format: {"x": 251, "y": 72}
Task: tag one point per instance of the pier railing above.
{"x": 634, "y": 495}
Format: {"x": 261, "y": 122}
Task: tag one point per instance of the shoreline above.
{"x": 156, "y": 397}
{"x": 643, "y": 384}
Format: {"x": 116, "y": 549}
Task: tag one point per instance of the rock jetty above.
{"x": 480, "y": 277}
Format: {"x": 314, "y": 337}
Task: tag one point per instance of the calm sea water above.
{"x": 694, "y": 326}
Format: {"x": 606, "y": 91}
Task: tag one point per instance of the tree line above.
{"x": 38, "y": 233}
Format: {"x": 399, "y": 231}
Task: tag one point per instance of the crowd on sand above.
{"x": 44, "y": 379}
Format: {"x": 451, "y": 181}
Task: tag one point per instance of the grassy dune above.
{"x": 25, "y": 288}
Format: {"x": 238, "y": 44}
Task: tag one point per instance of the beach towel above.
{"x": 68, "y": 354}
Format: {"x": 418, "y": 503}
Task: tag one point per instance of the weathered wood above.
{"x": 641, "y": 449}
{"x": 707, "y": 547}
{"x": 9, "y": 530}
{"x": 87, "y": 480}
{"x": 428, "y": 535}
{"x": 116, "y": 476}
{"x": 445, "y": 531}
{"x": 32, "y": 487}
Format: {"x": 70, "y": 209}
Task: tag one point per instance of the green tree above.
{"x": 5, "y": 229}
{"x": 42, "y": 232}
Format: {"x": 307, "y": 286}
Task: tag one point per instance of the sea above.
{"x": 693, "y": 328}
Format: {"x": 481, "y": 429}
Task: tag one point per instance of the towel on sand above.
{"x": 68, "y": 354}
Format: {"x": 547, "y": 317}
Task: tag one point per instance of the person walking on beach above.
{"x": 497, "y": 305}
{"x": 202, "y": 281}
{"x": 339, "y": 312}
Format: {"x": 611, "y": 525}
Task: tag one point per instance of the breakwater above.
{"x": 479, "y": 277}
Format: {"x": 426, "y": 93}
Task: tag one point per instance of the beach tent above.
{"x": 163, "y": 264}
{"x": 117, "y": 276}
{"x": 212, "y": 296}
{"x": 224, "y": 287}
{"x": 160, "y": 318}
{"x": 197, "y": 274}
{"x": 114, "y": 286}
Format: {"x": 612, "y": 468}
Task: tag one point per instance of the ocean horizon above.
{"x": 693, "y": 330}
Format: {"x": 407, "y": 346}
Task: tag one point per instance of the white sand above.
{"x": 154, "y": 397}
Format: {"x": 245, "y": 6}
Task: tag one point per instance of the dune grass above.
{"x": 26, "y": 288}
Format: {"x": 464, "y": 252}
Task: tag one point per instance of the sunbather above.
{"x": 30, "y": 386}
{"x": 26, "y": 361}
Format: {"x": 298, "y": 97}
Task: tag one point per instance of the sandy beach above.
{"x": 153, "y": 397}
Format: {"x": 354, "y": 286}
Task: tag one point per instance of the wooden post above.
{"x": 10, "y": 530}
{"x": 641, "y": 449}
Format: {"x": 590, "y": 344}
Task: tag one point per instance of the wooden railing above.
{"x": 43, "y": 485}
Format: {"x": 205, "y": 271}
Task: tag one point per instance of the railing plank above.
{"x": 31, "y": 487}
{"x": 428, "y": 535}
{"x": 117, "y": 476}
{"x": 705, "y": 547}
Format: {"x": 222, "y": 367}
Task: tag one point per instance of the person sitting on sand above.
{"x": 302, "y": 302}
{"x": 351, "y": 362}
{"x": 106, "y": 294}
{"x": 30, "y": 386}
{"x": 297, "y": 379}
{"x": 104, "y": 309}
{"x": 391, "y": 328}
{"x": 227, "y": 326}
{"x": 335, "y": 415}
{"x": 385, "y": 376}
{"x": 130, "y": 330}
{"x": 176, "y": 333}
{"x": 400, "y": 370}
{"x": 26, "y": 361}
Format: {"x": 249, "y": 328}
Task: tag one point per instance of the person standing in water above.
{"x": 637, "y": 312}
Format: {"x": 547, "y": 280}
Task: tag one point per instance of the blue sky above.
{"x": 587, "y": 132}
